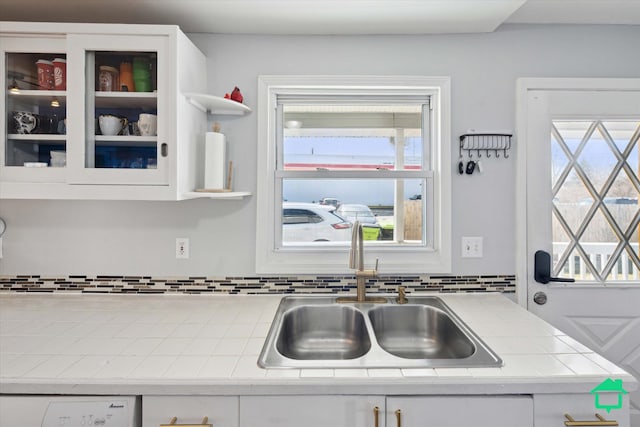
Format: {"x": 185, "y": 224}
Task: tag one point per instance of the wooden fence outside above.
{"x": 413, "y": 220}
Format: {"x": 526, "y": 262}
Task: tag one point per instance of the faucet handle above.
{"x": 402, "y": 299}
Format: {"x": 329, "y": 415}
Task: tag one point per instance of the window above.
{"x": 333, "y": 150}
{"x": 595, "y": 199}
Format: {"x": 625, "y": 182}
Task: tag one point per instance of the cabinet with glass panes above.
{"x": 96, "y": 111}
{"x": 124, "y": 133}
{"x": 120, "y": 105}
{"x": 35, "y": 104}
{"x": 122, "y": 128}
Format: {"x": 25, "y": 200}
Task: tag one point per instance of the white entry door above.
{"x": 579, "y": 187}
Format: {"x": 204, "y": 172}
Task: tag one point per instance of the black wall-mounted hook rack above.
{"x": 492, "y": 144}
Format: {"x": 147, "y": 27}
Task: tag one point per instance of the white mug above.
{"x": 111, "y": 125}
{"x": 148, "y": 124}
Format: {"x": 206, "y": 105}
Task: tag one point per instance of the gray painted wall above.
{"x": 76, "y": 237}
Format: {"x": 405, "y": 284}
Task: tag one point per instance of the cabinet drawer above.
{"x": 550, "y": 409}
{"x": 221, "y": 411}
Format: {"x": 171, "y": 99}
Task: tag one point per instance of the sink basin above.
{"x": 321, "y": 332}
{"x": 318, "y": 332}
{"x": 419, "y": 332}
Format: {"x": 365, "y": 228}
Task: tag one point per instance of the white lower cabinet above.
{"x": 220, "y": 411}
{"x": 550, "y": 410}
{"x": 459, "y": 411}
{"x": 392, "y": 411}
{"x": 541, "y": 410}
{"x": 311, "y": 411}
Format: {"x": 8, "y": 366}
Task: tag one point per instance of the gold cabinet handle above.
{"x": 601, "y": 422}
{"x": 376, "y": 414}
{"x": 174, "y": 420}
{"x": 399, "y": 418}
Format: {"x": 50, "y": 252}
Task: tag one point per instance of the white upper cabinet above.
{"x": 114, "y": 125}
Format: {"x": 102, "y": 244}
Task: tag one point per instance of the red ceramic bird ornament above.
{"x": 235, "y": 95}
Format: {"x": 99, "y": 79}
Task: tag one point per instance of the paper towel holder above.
{"x": 227, "y": 189}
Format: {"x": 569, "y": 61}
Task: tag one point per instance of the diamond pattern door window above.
{"x": 595, "y": 187}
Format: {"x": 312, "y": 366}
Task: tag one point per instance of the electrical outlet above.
{"x": 472, "y": 247}
{"x": 182, "y": 248}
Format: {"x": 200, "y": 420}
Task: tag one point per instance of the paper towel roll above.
{"x": 215, "y": 160}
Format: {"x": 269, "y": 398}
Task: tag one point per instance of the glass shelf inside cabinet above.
{"x": 126, "y": 140}
{"x": 145, "y": 100}
{"x": 36, "y": 105}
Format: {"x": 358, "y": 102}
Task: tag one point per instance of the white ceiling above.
{"x": 327, "y": 16}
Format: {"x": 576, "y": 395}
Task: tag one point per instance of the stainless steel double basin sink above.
{"x": 318, "y": 332}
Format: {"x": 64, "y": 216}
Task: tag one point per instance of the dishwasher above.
{"x": 69, "y": 411}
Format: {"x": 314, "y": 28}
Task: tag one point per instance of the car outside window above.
{"x": 299, "y": 216}
{"x": 358, "y": 149}
{"x": 371, "y": 227}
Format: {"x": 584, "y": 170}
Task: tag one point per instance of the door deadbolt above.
{"x": 540, "y": 298}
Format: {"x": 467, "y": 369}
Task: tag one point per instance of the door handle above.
{"x": 542, "y": 269}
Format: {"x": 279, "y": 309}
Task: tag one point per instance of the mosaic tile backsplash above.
{"x": 252, "y": 284}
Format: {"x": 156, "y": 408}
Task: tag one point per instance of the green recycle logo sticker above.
{"x": 608, "y": 394}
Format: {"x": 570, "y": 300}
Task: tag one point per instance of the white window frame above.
{"x": 323, "y": 260}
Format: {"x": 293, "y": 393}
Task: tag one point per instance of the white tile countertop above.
{"x": 204, "y": 344}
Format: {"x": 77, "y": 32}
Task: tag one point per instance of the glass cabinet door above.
{"x": 118, "y": 92}
{"x": 34, "y": 140}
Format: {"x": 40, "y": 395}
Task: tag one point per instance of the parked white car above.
{"x": 330, "y": 201}
{"x": 309, "y": 222}
{"x": 370, "y": 228}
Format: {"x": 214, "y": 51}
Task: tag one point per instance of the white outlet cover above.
{"x": 182, "y": 248}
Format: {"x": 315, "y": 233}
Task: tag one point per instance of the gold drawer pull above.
{"x": 399, "y": 418}
{"x": 376, "y": 412}
{"x": 602, "y": 422}
{"x": 173, "y": 421}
